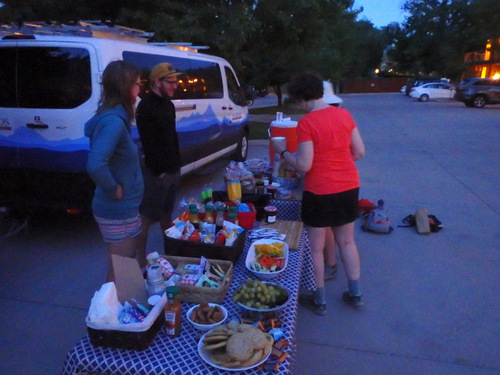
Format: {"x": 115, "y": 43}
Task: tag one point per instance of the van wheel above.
{"x": 424, "y": 98}
{"x": 241, "y": 152}
{"x": 479, "y": 101}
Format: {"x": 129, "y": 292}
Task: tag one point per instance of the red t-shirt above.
{"x": 333, "y": 169}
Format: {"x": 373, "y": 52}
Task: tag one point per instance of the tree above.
{"x": 486, "y": 23}
{"x": 300, "y": 35}
{"x": 435, "y": 37}
{"x": 266, "y": 41}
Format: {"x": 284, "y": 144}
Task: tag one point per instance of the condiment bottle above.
{"x": 233, "y": 213}
{"x": 271, "y": 189}
{"x": 194, "y": 215}
{"x": 271, "y": 212}
{"x": 173, "y": 312}
{"x": 155, "y": 282}
{"x": 219, "y": 220}
{"x": 209, "y": 214}
{"x": 259, "y": 187}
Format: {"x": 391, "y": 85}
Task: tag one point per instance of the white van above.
{"x": 50, "y": 86}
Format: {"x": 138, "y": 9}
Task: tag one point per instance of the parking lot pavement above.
{"x": 431, "y": 301}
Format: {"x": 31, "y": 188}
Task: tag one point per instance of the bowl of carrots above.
{"x": 267, "y": 258}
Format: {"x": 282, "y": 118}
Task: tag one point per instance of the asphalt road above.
{"x": 431, "y": 302}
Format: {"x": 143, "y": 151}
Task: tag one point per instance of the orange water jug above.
{"x": 287, "y": 129}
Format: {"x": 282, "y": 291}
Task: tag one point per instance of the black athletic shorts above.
{"x": 329, "y": 210}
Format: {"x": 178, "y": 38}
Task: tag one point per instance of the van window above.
{"x": 236, "y": 93}
{"x": 44, "y": 77}
{"x": 200, "y": 79}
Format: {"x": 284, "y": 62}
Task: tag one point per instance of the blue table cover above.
{"x": 179, "y": 355}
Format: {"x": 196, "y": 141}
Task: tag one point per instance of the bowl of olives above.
{"x": 261, "y": 296}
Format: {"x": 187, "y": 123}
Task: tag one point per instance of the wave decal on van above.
{"x": 27, "y": 138}
{"x": 198, "y": 120}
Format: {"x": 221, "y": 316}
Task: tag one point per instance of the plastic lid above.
{"x": 154, "y": 299}
{"x": 284, "y": 124}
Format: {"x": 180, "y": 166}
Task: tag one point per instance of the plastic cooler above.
{"x": 287, "y": 129}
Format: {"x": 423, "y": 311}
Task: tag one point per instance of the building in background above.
{"x": 484, "y": 65}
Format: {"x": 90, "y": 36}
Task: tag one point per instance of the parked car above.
{"x": 261, "y": 91}
{"x": 403, "y": 90}
{"x": 434, "y": 90}
{"x": 422, "y": 81}
{"x": 329, "y": 95}
{"x": 477, "y": 92}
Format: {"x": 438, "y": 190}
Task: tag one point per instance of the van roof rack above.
{"x": 92, "y": 29}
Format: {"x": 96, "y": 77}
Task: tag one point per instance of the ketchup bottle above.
{"x": 173, "y": 312}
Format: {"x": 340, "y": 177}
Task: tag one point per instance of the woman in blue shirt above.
{"x": 113, "y": 161}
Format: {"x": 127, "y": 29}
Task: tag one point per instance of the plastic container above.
{"x": 287, "y": 129}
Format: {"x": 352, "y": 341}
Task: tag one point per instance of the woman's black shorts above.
{"x": 329, "y": 210}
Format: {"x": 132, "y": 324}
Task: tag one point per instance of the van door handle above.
{"x": 37, "y": 126}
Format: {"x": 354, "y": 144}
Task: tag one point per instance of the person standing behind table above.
{"x": 160, "y": 145}
{"x": 329, "y": 144}
{"x": 113, "y": 162}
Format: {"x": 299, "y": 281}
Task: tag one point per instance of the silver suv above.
{"x": 476, "y": 92}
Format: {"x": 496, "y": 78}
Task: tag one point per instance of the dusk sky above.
{"x": 381, "y": 12}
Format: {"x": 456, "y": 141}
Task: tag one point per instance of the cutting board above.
{"x": 292, "y": 229}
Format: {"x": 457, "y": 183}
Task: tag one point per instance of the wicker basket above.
{"x": 183, "y": 248}
{"x": 124, "y": 339}
{"x": 196, "y": 294}
{"x": 133, "y": 336}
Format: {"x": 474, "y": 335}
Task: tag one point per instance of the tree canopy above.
{"x": 267, "y": 41}
{"x": 437, "y": 33}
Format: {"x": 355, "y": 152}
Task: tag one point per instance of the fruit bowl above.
{"x": 249, "y": 296}
{"x": 260, "y": 271}
{"x": 207, "y": 326}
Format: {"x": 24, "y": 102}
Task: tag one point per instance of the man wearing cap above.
{"x": 155, "y": 119}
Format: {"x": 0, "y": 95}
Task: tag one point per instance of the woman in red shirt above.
{"x": 329, "y": 144}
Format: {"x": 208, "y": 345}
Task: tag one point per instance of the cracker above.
{"x": 215, "y": 346}
{"x": 214, "y": 339}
